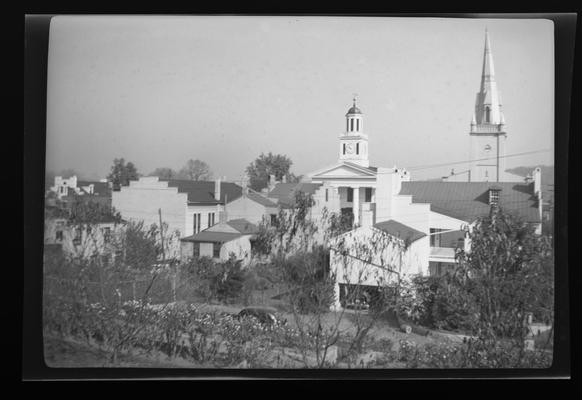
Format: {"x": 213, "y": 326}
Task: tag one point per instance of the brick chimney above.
{"x": 537, "y": 179}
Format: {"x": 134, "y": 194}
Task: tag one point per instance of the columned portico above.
{"x": 356, "y": 205}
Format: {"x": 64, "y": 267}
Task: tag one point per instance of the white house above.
{"x": 188, "y": 207}
{"x": 226, "y": 239}
{"x": 83, "y": 240}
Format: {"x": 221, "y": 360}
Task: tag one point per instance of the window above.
{"x": 210, "y": 219}
{"x": 326, "y": 195}
{"x": 357, "y": 148}
{"x": 78, "y": 236}
{"x": 196, "y": 249}
{"x": 493, "y": 197}
{"x": 105, "y": 260}
{"x": 351, "y": 124}
{"x": 358, "y": 125}
{"x": 216, "y": 250}
{"x": 106, "y": 235}
{"x": 350, "y": 195}
{"x": 344, "y": 148}
{"x": 59, "y": 235}
{"x": 196, "y": 218}
{"x": 487, "y": 114}
{"x": 435, "y": 238}
{"x": 273, "y": 219}
{"x": 368, "y": 195}
{"x": 347, "y": 125}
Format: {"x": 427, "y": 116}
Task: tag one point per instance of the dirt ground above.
{"x": 60, "y": 353}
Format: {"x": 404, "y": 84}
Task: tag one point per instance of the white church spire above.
{"x": 487, "y": 132}
{"x": 488, "y": 103}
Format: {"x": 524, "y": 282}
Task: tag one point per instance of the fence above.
{"x": 164, "y": 288}
{"x": 160, "y": 289}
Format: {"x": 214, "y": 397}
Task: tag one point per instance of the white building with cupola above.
{"x": 430, "y": 219}
{"x": 352, "y": 177}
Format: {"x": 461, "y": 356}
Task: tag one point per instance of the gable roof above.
{"x": 262, "y": 200}
{"x": 365, "y": 172}
{"x": 212, "y": 237}
{"x": 285, "y": 192}
{"x": 243, "y": 226}
{"x": 224, "y": 232}
{"x": 369, "y": 168}
{"x": 399, "y": 230}
{"x": 202, "y": 192}
{"x": 468, "y": 201}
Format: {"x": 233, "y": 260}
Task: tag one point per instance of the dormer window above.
{"x": 494, "y": 196}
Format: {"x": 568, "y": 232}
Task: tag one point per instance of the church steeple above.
{"x": 488, "y": 110}
{"x": 487, "y": 125}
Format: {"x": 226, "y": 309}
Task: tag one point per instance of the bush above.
{"x": 307, "y": 275}
{"x": 474, "y": 354}
{"x": 222, "y": 281}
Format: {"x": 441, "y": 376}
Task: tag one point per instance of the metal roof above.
{"x": 468, "y": 201}
{"x": 399, "y": 230}
{"x": 212, "y": 237}
{"x": 203, "y": 191}
{"x": 285, "y": 192}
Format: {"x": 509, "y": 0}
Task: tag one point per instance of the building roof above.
{"x": 370, "y": 168}
{"x": 223, "y": 232}
{"x": 99, "y": 188}
{"x": 202, "y": 192}
{"x": 397, "y": 229}
{"x": 212, "y": 237}
{"x": 468, "y": 201}
{"x": 258, "y": 198}
{"x": 354, "y": 110}
{"x": 285, "y": 192}
{"x": 243, "y": 226}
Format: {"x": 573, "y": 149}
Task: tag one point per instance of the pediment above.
{"x": 343, "y": 171}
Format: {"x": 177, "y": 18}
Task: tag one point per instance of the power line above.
{"x": 471, "y": 161}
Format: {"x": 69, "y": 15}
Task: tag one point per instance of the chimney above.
{"x": 217, "y": 189}
{"x": 537, "y": 179}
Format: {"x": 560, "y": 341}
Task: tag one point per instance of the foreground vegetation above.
{"x": 508, "y": 274}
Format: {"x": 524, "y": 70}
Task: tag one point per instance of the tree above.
{"x": 510, "y": 271}
{"x": 196, "y": 170}
{"x": 121, "y": 173}
{"x": 165, "y": 173}
{"x": 270, "y": 164}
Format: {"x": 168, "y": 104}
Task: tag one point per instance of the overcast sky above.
{"x": 161, "y": 90}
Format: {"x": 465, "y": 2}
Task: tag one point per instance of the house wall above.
{"x": 141, "y": 200}
{"x": 356, "y": 257}
{"x": 91, "y": 243}
{"x": 204, "y": 210}
{"x": 240, "y": 247}
{"x": 244, "y": 207}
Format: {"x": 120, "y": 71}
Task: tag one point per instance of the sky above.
{"x": 159, "y": 90}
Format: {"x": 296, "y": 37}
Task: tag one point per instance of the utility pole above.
{"x": 162, "y": 234}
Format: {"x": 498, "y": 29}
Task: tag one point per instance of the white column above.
{"x": 336, "y": 305}
{"x": 356, "y": 205}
